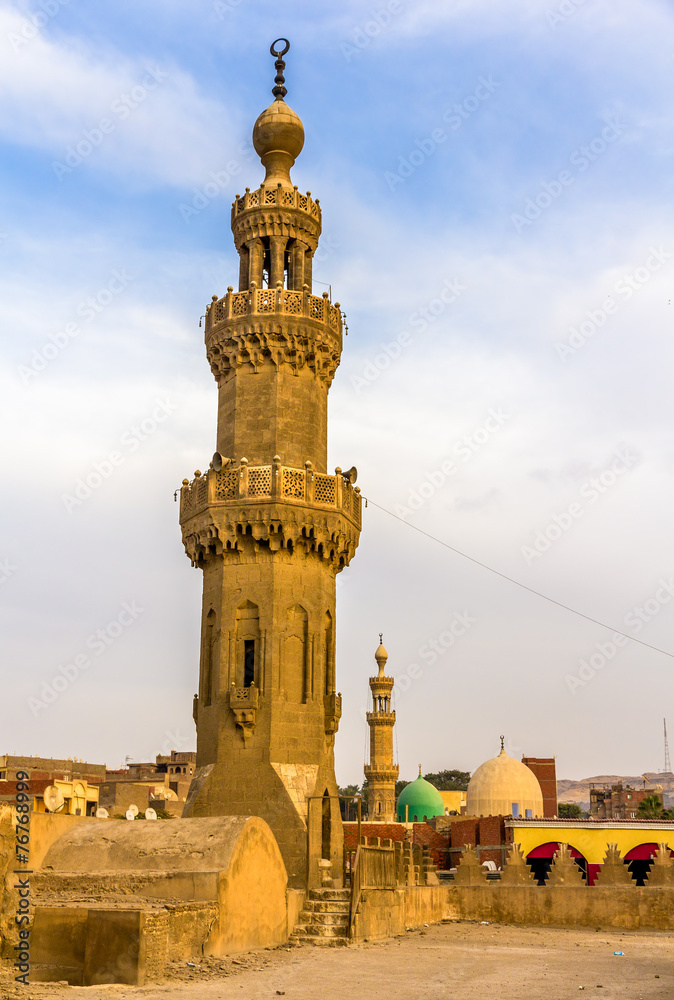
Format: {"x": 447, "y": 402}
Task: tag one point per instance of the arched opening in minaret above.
{"x": 296, "y": 679}
{"x": 247, "y": 645}
{"x": 248, "y": 662}
{"x": 325, "y": 826}
{"x": 267, "y": 260}
{"x": 329, "y": 658}
{"x": 275, "y": 261}
{"x": 207, "y": 659}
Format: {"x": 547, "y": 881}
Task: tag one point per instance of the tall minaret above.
{"x": 268, "y": 526}
{"x": 381, "y": 772}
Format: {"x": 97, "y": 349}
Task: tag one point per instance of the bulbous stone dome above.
{"x": 278, "y": 138}
{"x": 501, "y": 783}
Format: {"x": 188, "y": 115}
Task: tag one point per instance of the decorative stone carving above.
{"x": 307, "y": 510}
{"x": 325, "y": 872}
{"x": 244, "y": 702}
{"x": 429, "y": 873}
{"x": 333, "y": 712}
{"x": 516, "y": 870}
{"x": 565, "y": 871}
{"x": 470, "y": 871}
{"x": 276, "y": 326}
{"x": 662, "y": 869}
{"x": 614, "y": 871}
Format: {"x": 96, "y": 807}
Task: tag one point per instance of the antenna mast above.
{"x": 668, "y": 763}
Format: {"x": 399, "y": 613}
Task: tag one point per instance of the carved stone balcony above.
{"x": 274, "y": 326}
{"x": 269, "y": 197}
{"x": 381, "y": 718}
{"x": 244, "y": 702}
{"x": 272, "y": 505}
{"x": 263, "y": 301}
{"x": 381, "y": 772}
{"x": 267, "y": 482}
{"x": 333, "y": 713}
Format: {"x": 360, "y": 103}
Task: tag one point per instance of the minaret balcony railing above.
{"x": 275, "y": 482}
{"x": 284, "y": 197}
{"x": 264, "y": 301}
{"x": 381, "y": 683}
{"x": 381, "y": 718}
{"x": 382, "y": 770}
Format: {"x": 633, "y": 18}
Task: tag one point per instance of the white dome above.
{"x": 504, "y": 786}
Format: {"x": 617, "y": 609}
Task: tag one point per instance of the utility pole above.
{"x": 668, "y": 763}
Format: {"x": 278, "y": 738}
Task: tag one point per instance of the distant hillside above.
{"x": 579, "y": 791}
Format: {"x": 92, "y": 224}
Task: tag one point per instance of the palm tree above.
{"x": 650, "y": 808}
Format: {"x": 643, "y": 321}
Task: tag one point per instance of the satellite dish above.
{"x": 150, "y": 813}
{"x": 53, "y": 798}
{"x": 133, "y": 809}
{"x": 168, "y": 794}
{"x": 102, "y": 813}
{"x": 130, "y": 815}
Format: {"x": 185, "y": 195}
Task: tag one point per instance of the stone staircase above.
{"x": 324, "y": 921}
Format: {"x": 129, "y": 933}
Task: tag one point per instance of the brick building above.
{"x": 162, "y": 785}
{"x": 619, "y": 801}
{"x": 437, "y": 841}
{"x": 49, "y": 769}
{"x": 545, "y": 770}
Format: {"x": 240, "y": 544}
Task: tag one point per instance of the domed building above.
{"x": 418, "y": 801}
{"x": 504, "y": 786}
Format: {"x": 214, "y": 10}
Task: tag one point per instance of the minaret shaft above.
{"x": 273, "y": 412}
{"x": 271, "y": 529}
{"x": 381, "y": 772}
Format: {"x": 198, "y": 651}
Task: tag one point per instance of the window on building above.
{"x": 248, "y": 662}
{"x": 516, "y": 810}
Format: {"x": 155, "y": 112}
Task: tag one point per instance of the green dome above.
{"x": 422, "y": 799}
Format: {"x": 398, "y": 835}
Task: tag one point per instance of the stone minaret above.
{"x": 269, "y": 527}
{"x": 381, "y": 772}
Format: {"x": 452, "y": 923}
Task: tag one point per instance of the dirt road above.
{"x": 460, "y": 961}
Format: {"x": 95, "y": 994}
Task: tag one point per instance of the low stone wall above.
{"x": 628, "y": 907}
{"x": 295, "y": 901}
{"x": 387, "y": 912}
{"x": 89, "y": 947}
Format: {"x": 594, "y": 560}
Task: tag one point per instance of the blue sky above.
{"x": 518, "y": 158}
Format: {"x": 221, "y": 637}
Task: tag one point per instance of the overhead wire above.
{"x": 517, "y": 583}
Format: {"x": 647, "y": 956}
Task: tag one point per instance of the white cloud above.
{"x": 113, "y": 111}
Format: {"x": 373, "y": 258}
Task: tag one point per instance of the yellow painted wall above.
{"x": 77, "y": 794}
{"x": 591, "y": 840}
{"x": 453, "y": 801}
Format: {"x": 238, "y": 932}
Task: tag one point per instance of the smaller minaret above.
{"x": 381, "y": 772}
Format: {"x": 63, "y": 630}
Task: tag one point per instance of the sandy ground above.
{"x": 461, "y": 961}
